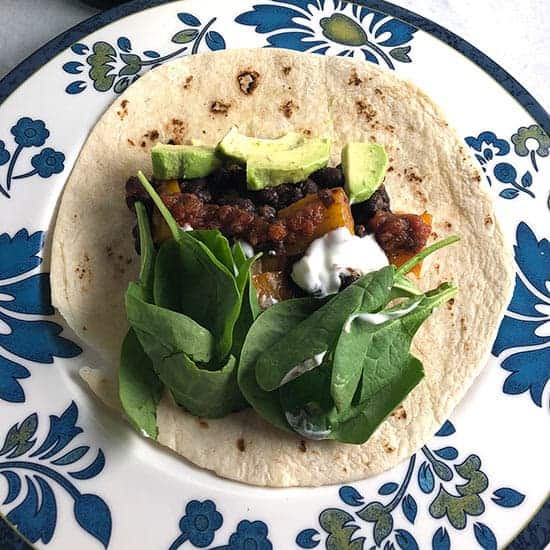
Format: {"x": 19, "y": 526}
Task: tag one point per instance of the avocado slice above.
{"x": 364, "y": 166}
{"x": 239, "y": 148}
{"x": 291, "y": 166}
{"x": 183, "y": 161}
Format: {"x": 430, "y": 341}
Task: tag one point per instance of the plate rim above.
{"x": 17, "y": 76}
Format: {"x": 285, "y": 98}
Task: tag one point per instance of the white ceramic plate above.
{"x": 74, "y": 476}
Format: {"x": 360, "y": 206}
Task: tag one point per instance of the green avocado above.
{"x": 183, "y": 161}
{"x": 239, "y": 148}
{"x": 364, "y": 166}
{"x": 291, "y": 166}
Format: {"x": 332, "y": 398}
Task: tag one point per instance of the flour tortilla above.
{"x": 202, "y": 96}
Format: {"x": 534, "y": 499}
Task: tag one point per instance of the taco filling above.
{"x": 267, "y": 222}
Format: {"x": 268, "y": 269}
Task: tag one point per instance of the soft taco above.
{"x": 277, "y": 326}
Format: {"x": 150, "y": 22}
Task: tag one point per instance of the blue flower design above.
{"x": 202, "y": 520}
{"x": 4, "y": 154}
{"x": 488, "y": 145}
{"x": 200, "y": 523}
{"x": 488, "y": 148}
{"x": 33, "y": 338}
{"x": 48, "y": 162}
{"x": 30, "y": 133}
{"x": 250, "y": 534}
{"x": 525, "y": 329}
{"x": 453, "y": 503}
{"x": 45, "y": 464}
{"x": 335, "y": 27}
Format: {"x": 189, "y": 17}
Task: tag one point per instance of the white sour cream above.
{"x": 247, "y": 249}
{"x": 186, "y": 227}
{"x": 303, "y": 367}
{"x": 338, "y": 253}
{"x": 378, "y": 318}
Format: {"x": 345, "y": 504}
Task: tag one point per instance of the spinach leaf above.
{"x": 164, "y": 332}
{"x": 319, "y": 332}
{"x": 403, "y": 287}
{"x": 362, "y": 421}
{"x": 375, "y": 352}
{"x": 190, "y": 280}
{"x": 271, "y": 326}
{"x": 140, "y": 389}
{"x": 217, "y": 244}
{"x": 250, "y": 308}
{"x": 147, "y": 252}
{"x": 307, "y": 404}
{"x": 206, "y": 393}
{"x": 166, "y": 214}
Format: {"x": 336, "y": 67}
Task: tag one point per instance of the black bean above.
{"x": 364, "y": 211}
{"x": 329, "y": 177}
{"x": 135, "y": 192}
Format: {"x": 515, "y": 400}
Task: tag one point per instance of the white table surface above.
{"x": 515, "y": 34}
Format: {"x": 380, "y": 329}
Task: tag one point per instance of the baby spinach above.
{"x": 207, "y": 393}
{"x": 140, "y": 389}
{"x": 250, "y": 309}
{"x": 164, "y": 332}
{"x": 271, "y": 326}
{"x": 319, "y": 331}
{"x": 364, "y": 419}
{"x": 190, "y": 280}
{"x": 374, "y": 352}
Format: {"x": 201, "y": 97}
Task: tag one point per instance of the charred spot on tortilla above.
{"x": 354, "y": 79}
{"x": 288, "y": 108}
{"x": 302, "y": 446}
{"x": 450, "y": 304}
{"x": 187, "y": 83}
{"x": 177, "y": 129}
{"x": 123, "y": 113}
{"x": 219, "y": 107}
{"x": 286, "y": 70}
{"x": 203, "y": 424}
{"x": 488, "y": 220}
{"x": 400, "y": 413}
{"x": 240, "y": 445}
{"x": 151, "y": 135}
{"x": 131, "y": 142}
{"x": 365, "y": 109}
{"x": 248, "y": 81}
{"x": 387, "y": 447}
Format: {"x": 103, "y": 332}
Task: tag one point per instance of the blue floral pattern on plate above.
{"x": 332, "y": 27}
{"x": 34, "y": 466}
{"x": 447, "y": 498}
{"x": 523, "y": 342}
{"x": 201, "y": 521}
{"x": 27, "y": 134}
{"x": 115, "y": 67}
{"x": 23, "y": 292}
{"x": 490, "y": 150}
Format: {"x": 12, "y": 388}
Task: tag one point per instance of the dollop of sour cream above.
{"x": 336, "y": 254}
